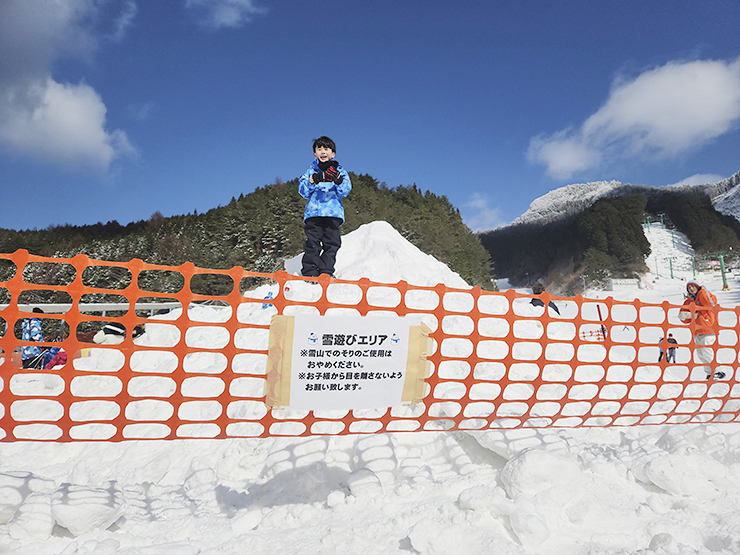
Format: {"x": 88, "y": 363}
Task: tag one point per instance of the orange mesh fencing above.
{"x": 499, "y": 360}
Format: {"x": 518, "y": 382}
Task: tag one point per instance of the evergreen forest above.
{"x": 259, "y": 230}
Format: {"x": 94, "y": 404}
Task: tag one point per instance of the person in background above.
{"x": 39, "y": 357}
{"x": 537, "y": 289}
{"x": 705, "y": 320}
{"x": 114, "y": 333}
{"x": 31, "y": 356}
{"x": 670, "y": 356}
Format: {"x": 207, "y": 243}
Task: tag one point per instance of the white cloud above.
{"x": 478, "y": 216}
{"x": 66, "y": 124}
{"x": 661, "y": 113}
{"x": 140, "y": 112}
{"x": 564, "y": 153}
{"x": 40, "y": 117}
{"x": 123, "y": 20}
{"x": 225, "y": 13}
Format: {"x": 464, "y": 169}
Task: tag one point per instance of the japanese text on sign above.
{"x": 369, "y": 364}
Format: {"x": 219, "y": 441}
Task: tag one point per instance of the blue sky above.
{"x": 115, "y": 109}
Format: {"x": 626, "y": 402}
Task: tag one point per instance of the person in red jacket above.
{"x": 705, "y": 319}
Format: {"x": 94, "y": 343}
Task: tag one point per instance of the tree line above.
{"x": 259, "y": 230}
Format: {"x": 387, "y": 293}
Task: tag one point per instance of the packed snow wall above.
{"x": 499, "y": 360}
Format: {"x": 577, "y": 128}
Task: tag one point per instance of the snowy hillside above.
{"x": 572, "y": 199}
{"x": 670, "y": 252}
{"x": 727, "y": 200}
{"x": 651, "y": 490}
{"x": 566, "y": 201}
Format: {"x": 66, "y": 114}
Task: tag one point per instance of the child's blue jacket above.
{"x": 325, "y": 198}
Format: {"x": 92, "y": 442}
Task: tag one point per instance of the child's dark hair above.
{"x": 325, "y": 142}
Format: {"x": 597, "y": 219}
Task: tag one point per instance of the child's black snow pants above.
{"x": 322, "y": 243}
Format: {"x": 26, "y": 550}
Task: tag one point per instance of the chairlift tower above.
{"x": 670, "y": 260}
{"x": 721, "y": 257}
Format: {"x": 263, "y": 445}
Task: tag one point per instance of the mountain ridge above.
{"x": 570, "y": 200}
{"x": 596, "y": 230}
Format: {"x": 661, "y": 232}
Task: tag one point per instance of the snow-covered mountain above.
{"x": 570, "y": 200}
{"x": 727, "y": 196}
{"x": 566, "y": 201}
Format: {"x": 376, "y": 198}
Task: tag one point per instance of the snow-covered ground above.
{"x": 644, "y": 490}
{"x": 671, "y": 253}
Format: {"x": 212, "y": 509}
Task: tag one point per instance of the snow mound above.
{"x": 380, "y": 253}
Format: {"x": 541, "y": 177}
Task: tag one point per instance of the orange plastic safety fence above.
{"x": 500, "y": 360}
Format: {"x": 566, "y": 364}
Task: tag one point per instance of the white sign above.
{"x": 345, "y": 362}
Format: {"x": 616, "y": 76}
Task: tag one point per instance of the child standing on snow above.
{"x": 324, "y": 184}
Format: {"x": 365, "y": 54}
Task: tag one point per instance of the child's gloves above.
{"x": 332, "y": 174}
